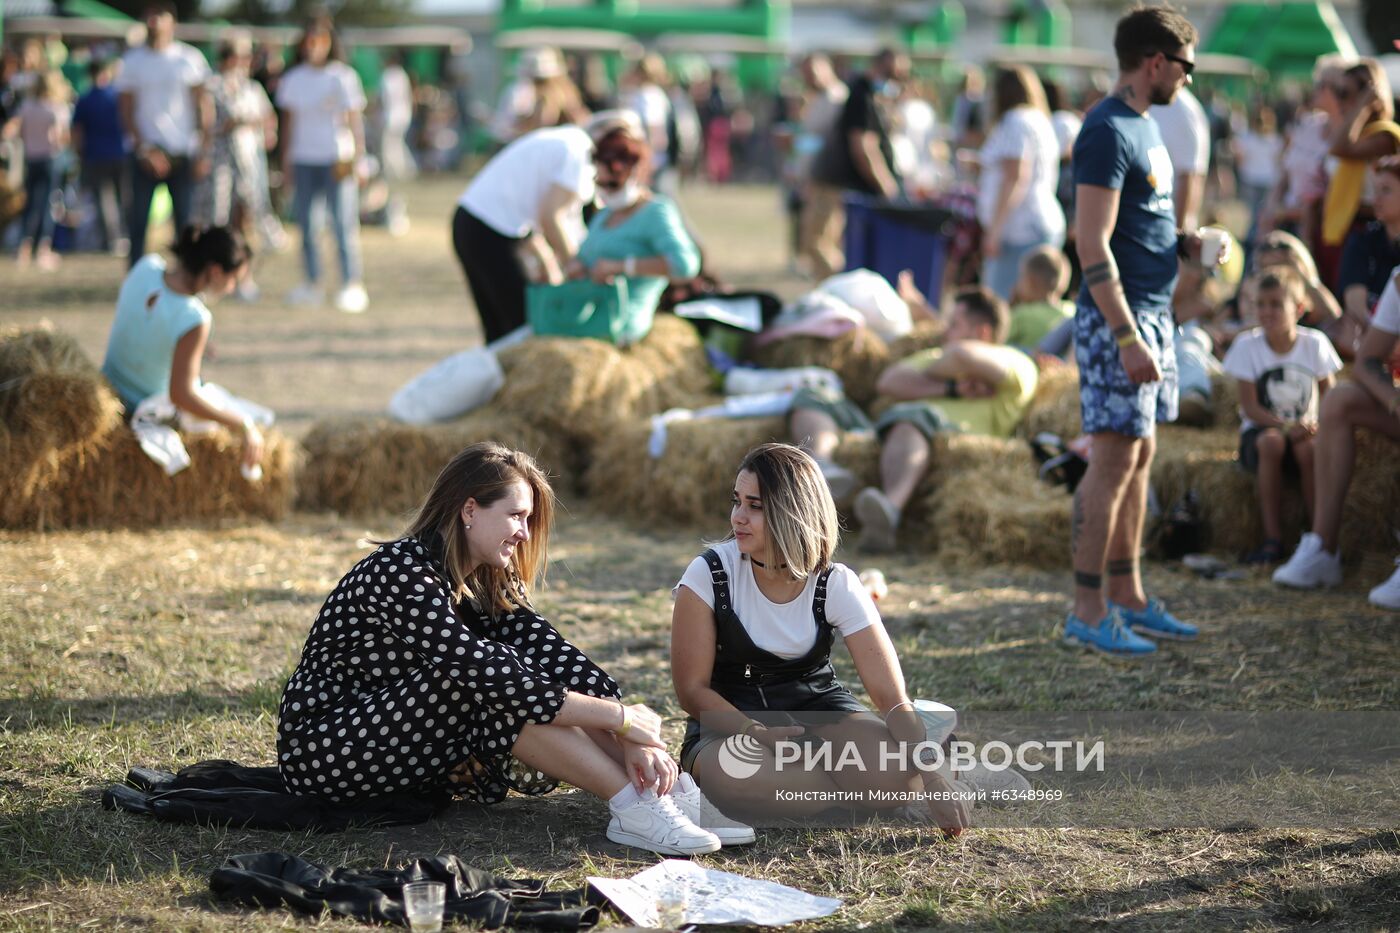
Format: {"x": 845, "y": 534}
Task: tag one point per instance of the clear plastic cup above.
{"x": 1213, "y": 243}
{"x": 422, "y": 904}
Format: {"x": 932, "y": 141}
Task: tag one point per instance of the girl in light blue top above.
{"x": 162, "y": 325}
{"x": 637, "y": 234}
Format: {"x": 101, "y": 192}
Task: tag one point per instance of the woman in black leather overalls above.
{"x": 743, "y": 699}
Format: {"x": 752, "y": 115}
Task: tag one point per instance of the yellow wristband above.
{"x": 626, "y": 726}
{"x": 1127, "y": 340}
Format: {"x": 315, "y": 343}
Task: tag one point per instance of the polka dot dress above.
{"x": 398, "y": 686}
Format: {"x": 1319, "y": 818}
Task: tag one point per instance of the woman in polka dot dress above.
{"x": 428, "y": 671}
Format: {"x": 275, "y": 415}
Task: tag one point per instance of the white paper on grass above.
{"x": 743, "y": 313}
{"x": 710, "y": 896}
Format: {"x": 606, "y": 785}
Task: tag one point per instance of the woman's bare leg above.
{"x": 569, "y": 754}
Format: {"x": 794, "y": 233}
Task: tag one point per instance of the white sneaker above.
{"x": 841, "y": 481}
{"x": 306, "y": 295}
{"x": 1002, "y": 788}
{"x": 698, "y": 809}
{"x": 658, "y": 825}
{"x": 352, "y": 299}
{"x": 1310, "y": 566}
{"x": 1387, "y": 595}
{"x": 878, "y": 519}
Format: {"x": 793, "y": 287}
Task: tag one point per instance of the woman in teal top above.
{"x": 162, "y": 325}
{"x": 638, "y": 235}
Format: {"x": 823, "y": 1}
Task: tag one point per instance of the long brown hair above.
{"x": 803, "y": 529}
{"x": 486, "y": 472}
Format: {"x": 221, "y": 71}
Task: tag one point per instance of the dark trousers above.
{"x": 107, "y": 180}
{"x": 494, "y": 273}
{"x": 38, "y": 193}
{"x": 180, "y": 181}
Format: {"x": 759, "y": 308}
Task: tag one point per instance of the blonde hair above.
{"x": 51, "y": 86}
{"x": 1283, "y": 240}
{"x": 1017, "y": 86}
{"x": 486, "y": 472}
{"x": 798, "y": 513}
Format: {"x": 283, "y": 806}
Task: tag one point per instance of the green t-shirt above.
{"x": 1033, "y": 321}
{"x": 997, "y": 415}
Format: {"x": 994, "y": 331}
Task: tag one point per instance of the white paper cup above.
{"x": 1213, "y": 240}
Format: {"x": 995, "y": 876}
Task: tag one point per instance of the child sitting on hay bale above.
{"x": 1371, "y": 402}
{"x": 161, "y": 327}
{"x": 428, "y": 671}
{"x": 973, "y": 384}
{"x": 751, "y": 637}
{"x": 1283, "y": 372}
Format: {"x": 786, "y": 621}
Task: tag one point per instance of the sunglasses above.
{"x": 1186, "y": 64}
{"x": 615, "y": 159}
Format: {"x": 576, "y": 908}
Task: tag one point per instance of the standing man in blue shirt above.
{"x": 1128, "y": 244}
{"x": 100, "y": 142}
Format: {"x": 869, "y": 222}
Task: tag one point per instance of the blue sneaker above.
{"x": 1111, "y": 635}
{"x": 1156, "y": 622}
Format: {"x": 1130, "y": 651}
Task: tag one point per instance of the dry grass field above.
{"x": 163, "y": 648}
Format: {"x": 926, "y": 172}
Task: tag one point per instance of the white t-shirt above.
{"x": 320, "y": 101}
{"x": 396, "y": 99}
{"x": 507, "y": 193}
{"x": 1023, "y": 133}
{"x": 653, "y": 108}
{"x": 1260, "y": 158}
{"x": 1305, "y": 160}
{"x": 1185, "y": 131}
{"x": 787, "y": 630}
{"x": 1286, "y": 384}
{"x": 1066, "y": 124}
{"x": 161, "y": 82}
{"x": 1387, "y": 313}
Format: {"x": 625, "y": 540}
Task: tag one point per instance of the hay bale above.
{"x": 926, "y": 334}
{"x": 116, "y": 485}
{"x": 689, "y": 485}
{"x": 858, "y": 356}
{"x": 358, "y": 466}
{"x": 1371, "y": 514}
{"x": 1055, "y": 405}
{"x": 1206, "y": 461}
{"x": 581, "y": 389}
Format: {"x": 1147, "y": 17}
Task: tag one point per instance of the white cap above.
{"x": 540, "y": 63}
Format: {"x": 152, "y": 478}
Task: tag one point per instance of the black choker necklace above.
{"x": 760, "y": 563}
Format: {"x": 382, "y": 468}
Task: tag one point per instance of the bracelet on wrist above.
{"x": 626, "y": 726}
{"x": 629, "y": 266}
{"x": 1127, "y": 340}
{"x": 908, "y": 703}
{"x": 1181, "y": 241}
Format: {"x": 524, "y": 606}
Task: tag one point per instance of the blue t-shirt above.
{"x": 150, "y": 320}
{"x": 1120, "y": 148}
{"x": 103, "y": 137}
{"x": 656, "y": 229}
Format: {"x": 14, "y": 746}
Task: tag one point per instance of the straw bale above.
{"x": 1055, "y": 406}
{"x": 359, "y": 466}
{"x": 1371, "y": 514}
{"x": 858, "y": 356}
{"x": 1225, "y": 400}
{"x": 116, "y": 485}
{"x": 1207, "y": 461}
{"x": 54, "y": 407}
{"x": 989, "y": 505}
{"x": 689, "y": 485}
{"x": 580, "y": 389}
{"x": 925, "y": 335}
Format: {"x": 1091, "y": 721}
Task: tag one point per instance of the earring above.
{"x": 467, "y": 525}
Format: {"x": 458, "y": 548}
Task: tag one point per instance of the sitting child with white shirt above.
{"x": 1283, "y": 371}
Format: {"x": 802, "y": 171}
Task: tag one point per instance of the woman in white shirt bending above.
{"x": 322, "y": 104}
{"x": 1016, "y": 203}
{"x": 751, "y": 637}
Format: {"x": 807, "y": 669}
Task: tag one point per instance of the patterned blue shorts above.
{"x": 1108, "y": 399}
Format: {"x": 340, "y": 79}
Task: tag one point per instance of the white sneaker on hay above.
{"x": 1387, "y": 595}
{"x": 658, "y": 825}
{"x": 306, "y": 295}
{"x": 352, "y": 299}
{"x": 1310, "y": 566}
{"x": 698, "y": 809}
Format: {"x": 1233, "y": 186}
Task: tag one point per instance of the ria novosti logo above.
{"x": 741, "y": 756}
